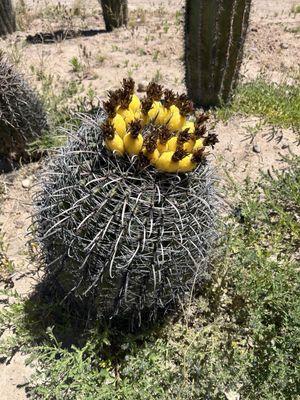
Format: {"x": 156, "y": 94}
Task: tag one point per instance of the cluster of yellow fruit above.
{"x": 156, "y": 128}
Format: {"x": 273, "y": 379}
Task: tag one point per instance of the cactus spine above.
{"x": 7, "y": 18}
{"x": 22, "y": 118}
{"x": 115, "y": 13}
{"x": 215, "y": 32}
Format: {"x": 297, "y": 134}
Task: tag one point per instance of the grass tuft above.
{"x": 278, "y": 105}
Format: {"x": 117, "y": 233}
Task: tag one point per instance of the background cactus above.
{"x": 115, "y": 13}
{"x": 22, "y": 118}
{"x": 7, "y": 18}
{"x": 130, "y": 240}
{"x": 215, "y": 32}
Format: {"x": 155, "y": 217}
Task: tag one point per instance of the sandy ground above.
{"x": 150, "y": 47}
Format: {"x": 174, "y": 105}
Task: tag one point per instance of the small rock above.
{"x": 284, "y": 46}
{"x": 142, "y": 86}
{"x": 256, "y": 148}
{"x": 26, "y": 183}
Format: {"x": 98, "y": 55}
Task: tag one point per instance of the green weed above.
{"x": 277, "y": 105}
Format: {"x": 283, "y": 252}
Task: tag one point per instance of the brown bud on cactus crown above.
{"x": 125, "y": 98}
{"x": 154, "y": 91}
{"x": 164, "y": 134}
{"x": 184, "y": 104}
{"x": 200, "y": 131}
{"x": 150, "y": 141}
{"x": 110, "y": 108}
{"x": 179, "y": 154}
{"x": 107, "y": 130}
{"x": 184, "y": 136}
{"x": 201, "y": 118}
{"x": 198, "y": 156}
{"x": 128, "y": 85}
{"x": 211, "y": 140}
{"x": 169, "y": 98}
{"x": 146, "y": 105}
{"x": 135, "y": 128}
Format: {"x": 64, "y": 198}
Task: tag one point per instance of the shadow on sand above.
{"x": 61, "y": 34}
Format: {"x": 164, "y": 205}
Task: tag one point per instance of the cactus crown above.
{"x": 162, "y": 122}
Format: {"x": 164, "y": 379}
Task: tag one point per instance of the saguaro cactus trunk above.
{"x": 215, "y": 32}
{"x": 7, "y": 17}
{"x": 115, "y": 13}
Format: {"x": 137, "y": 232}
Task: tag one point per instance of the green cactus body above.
{"x": 115, "y": 13}
{"x": 7, "y": 18}
{"x": 215, "y": 32}
{"x": 22, "y": 118}
{"x": 131, "y": 241}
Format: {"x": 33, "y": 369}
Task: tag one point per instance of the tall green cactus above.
{"x": 215, "y": 32}
{"x": 7, "y": 18}
{"x": 115, "y": 13}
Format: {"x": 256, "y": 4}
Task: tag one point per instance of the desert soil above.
{"x": 150, "y": 47}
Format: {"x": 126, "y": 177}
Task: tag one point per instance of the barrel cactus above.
{"x": 115, "y": 13}
{"x": 7, "y": 18}
{"x": 126, "y": 214}
{"x": 215, "y": 32}
{"x": 22, "y": 118}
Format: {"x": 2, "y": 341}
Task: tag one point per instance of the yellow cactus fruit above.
{"x": 187, "y": 164}
{"x": 198, "y": 144}
{"x": 190, "y": 126}
{"x": 133, "y": 140}
{"x": 133, "y": 146}
{"x": 127, "y": 114}
{"x": 157, "y": 113}
{"x": 112, "y": 140}
{"x": 119, "y": 124}
{"x": 153, "y": 156}
{"x": 174, "y": 109}
{"x": 169, "y": 161}
{"x": 116, "y": 144}
{"x": 172, "y": 144}
{"x": 176, "y": 121}
{"x": 161, "y": 147}
{"x": 166, "y": 164}
{"x": 189, "y": 145}
{"x": 185, "y": 141}
{"x": 190, "y": 162}
{"x": 150, "y": 146}
{"x": 135, "y": 103}
{"x": 163, "y": 135}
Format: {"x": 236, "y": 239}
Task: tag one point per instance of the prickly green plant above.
{"x": 7, "y": 18}
{"x": 215, "y": 32}
{"x": 125, "y": 237}
{"x": 22, "y": 118}
{"x": 115, "y": 13}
